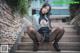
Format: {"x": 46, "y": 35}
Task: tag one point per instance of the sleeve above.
{"x": 50, "y": 26}
{"x": 35, "y": 21}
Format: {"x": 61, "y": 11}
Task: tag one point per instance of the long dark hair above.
{"x": 42, "y": 16}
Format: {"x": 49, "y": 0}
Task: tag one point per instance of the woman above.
{"x": 33, "y": 30}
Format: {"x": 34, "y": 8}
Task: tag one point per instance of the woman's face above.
{"x": 45, "y": 10}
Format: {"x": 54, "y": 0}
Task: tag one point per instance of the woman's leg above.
{"x": 59, "y": 34}
{"x": 35, "y": 36}
{"x": 56, "y": 35}
{"x": 53, "y": 34}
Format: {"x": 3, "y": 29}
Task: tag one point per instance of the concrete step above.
{"x": 68, "y": 28}
{"x": 68, "y": 46}
{"x": 70, "y": 33}
{"x": 62, "y": 23}
{"x": 70, "y": 42}
{"x": 67, "y": 34}
{"x": 65, "y": 38}
{"x": 22, "y": 51}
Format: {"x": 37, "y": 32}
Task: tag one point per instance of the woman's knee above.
{"x": 60, "y": 29}
{"x": 30, "y": 29}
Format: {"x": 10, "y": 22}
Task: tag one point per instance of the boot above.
{"x": 56, "y": 46}
{"x": 35, "y": 46}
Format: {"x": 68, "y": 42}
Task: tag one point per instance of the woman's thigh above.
{"x": 53, "y": 34}
{"x": 37, "y": 34}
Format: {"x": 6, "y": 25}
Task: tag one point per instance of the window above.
{"x": 58, "y": 3}
{"x": 58, "y": 6}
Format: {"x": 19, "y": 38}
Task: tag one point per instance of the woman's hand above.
{"x": 43, "y": 23}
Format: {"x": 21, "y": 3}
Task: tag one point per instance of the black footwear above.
{"x": 35, "y": 46}
{"x": 56, "y": 46}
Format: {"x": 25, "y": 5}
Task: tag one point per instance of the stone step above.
{"x": 22, "y": 51}
{"x": 69, "y": 43}
{"x": 62, "y": 25}
{"x": 67, "y": 34}
{"x": 53, "y": 23}
{"x": 68, "y": 46}
{"x": 70, "y": 39}
{"x": 65, "y": 38}
{"x": 70, "y": 33}
{"x": 70, "y": 30}
{"x": 67, "y": 28}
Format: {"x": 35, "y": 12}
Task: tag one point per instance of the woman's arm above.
{"x": 36, "y": 21}
{"x": 50, "y": 26}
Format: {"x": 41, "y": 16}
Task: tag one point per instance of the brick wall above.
{"x": 10, "y": 24}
